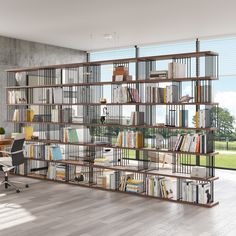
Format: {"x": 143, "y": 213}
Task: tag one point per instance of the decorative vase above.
{"x": 2, "y": 136}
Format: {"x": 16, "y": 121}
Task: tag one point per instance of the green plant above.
{"x": 2, "y": 131}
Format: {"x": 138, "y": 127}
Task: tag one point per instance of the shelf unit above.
{"x": 96, "y": 160}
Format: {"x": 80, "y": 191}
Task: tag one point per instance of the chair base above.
{"x": 8, "y": 183}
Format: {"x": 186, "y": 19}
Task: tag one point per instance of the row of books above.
{"x": 176, "y": 70}
{"x": 61, "y": 115}
{"x": 129, "y": 184}
{"x": 125, "y": 95}
{"x": 137, "y": 118}
{"x": 154, "y": 94}
{"x": 159, "y": 74}
{"x": 75, "y": 135}
{"x": 23, "y": 115}
{"x": 158, "y": 186}
{"x": 183, "y": 118}
{"x": 130, "y": 139}
{"x": 203, "y": 118}
{"x": 43, "y": 152}
{"x": 195, "y": 192}
{"x": 169, "y": 94}
{"x": 16, "y": 97}
{"x": 199, "y": 143}
{"x": 56, "y": 172}
{"x": 203, "y": 93}
{"x": 171, "y": 118}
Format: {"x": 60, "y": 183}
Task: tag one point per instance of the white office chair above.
{"x": 12, "y": 159}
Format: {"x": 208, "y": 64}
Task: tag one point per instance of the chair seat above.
{"x": 6, "y": 163}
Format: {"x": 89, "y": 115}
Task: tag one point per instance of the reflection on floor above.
{"x": 57, "y": 209}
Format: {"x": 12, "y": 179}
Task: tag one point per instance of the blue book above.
{"x": 56, "y": 154}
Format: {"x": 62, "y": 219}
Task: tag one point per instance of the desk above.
{"x": 4, "y": 143}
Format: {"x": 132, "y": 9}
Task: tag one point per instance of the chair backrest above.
{"x": 17, "y": 151}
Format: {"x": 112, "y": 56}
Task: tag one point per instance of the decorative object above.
{"x": 103, "y": 100}
{"x": 21, "y": 78}
{"x": 159, "y": 141}
{"x": 2, "y": 133}
{"x": 185, "y": 98}
{"x": 105, "y": 113}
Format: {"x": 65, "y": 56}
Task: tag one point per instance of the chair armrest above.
{"x": 5, "y": 152}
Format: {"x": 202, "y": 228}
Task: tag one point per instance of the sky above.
{"x": 224, "y": 88}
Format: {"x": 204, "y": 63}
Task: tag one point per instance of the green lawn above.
{"x": 227, "y": 159}
{"x": 222, "y": 160}
{"x": 221, "y": 145}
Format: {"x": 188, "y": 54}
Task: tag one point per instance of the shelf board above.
{"x": 115, "y": 125}
{"x": 147, "y": 81}
{"x": 127, "y": 169}
{"x": 119, "y": 104}
{"x": 93, "y": 186}
{"x": 127, "y": 60}
{"x": 127, "y": 148}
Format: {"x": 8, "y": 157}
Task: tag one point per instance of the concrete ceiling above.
{"x": 82, "y": 24}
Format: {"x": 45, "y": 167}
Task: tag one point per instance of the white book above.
{"x": 203, "y": 191}
{"x": 58, "y": 95}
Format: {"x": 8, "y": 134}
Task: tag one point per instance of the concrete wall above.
{"x": 20, "y": 53}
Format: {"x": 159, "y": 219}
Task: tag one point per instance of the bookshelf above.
{"x": 121, "y": 125}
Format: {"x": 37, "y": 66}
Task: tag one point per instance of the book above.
{"x": 198, "y": 143}
{"x": 125, "y": 95}
{"x": 23, "y": 115}
{"x": 159, "y": 74}
{"x": 28, "y": 132}
{"x": 114, "y": 178}
{"x": 130, "y": 139}
{"x": 137, "y": 118}
{"x": 57, "y": 95}
{"x": 56, "y": 153}
{"x": 183, "y": 118}
{"x": 203, "y": 93}
{"x": 176, "y": 70}
{"x": 204, "y": 193}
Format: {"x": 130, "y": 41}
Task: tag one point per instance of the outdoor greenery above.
{"x": 226, "y": 121}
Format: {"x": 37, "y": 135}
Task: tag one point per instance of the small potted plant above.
{"x": 2, "y": 133}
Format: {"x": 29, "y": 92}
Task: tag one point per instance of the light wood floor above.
{"x": 57, "y": 209}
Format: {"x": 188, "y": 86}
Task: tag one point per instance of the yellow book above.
{"x": 120, "y": 137}
{"x": 197, "y": 119}
{"x": 28, "y": 131}
{"x": 136, "y": 139}
{"x": 180, "y": 119}
{"x": 50, "y": 155}
{"x": 184, "y": 142}
{"x": 164, "y": 95}
{"x": 30, "y": 115}
{"x": 31, "y": 151}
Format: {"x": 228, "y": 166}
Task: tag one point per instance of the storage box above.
{"x": 102, "y": 181}
{"x": 200, "y": 172}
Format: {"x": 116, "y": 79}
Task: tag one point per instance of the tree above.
{"x": 224, "y": 121}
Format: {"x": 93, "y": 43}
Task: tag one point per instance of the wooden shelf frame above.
{"x": 136, "y": 82}
{"x": 147, "y": 81}
{"x": 125, "y": 148}
{"x": 115, "y": 125}
{"x": 124, "y": 169}
{"x": 40, "y": 177}
{"x": 127, "y": 60}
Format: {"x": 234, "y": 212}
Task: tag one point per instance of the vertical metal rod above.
{"x": 137, "y": 86}
{"x": 197, "y": 87}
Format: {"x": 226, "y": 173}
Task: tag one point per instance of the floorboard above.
{"x": 48, "y": 208}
